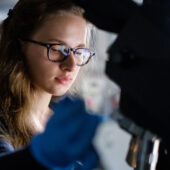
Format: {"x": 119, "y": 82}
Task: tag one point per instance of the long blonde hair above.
{"x": 17, "y": 90}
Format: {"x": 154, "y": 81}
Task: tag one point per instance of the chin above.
{"x": 59, "y": 92}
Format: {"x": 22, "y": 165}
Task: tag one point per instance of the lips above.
{"x": 64, "y": 80}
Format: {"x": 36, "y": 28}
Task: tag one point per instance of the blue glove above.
{"x": 67, "y": 137}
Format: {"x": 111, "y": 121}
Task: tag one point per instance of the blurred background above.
{"x": 100, "y": 94}
{"x": 4, "y": 7}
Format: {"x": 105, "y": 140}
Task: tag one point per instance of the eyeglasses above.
{"x": 60, "y": 52}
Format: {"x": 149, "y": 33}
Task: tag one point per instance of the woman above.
{"x": 43, "y": 46}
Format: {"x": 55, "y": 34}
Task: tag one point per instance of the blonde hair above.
{"x": 17, "y": 90}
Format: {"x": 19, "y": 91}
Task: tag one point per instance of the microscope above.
{"x": 139, "y": 62}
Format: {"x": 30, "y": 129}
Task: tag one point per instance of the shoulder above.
{"x": 5, "y": 146}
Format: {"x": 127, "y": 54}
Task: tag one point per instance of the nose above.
{"x": 69, "y": 63}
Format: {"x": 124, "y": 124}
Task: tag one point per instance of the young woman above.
{"x": 43, "y": 46}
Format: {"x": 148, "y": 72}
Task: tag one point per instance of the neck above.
{"x": 40, "y": 111}
{"x": 41, "y": 101}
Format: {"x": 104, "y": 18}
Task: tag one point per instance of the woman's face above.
{"x": 54, "y": 77}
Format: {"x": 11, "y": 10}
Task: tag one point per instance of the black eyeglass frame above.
{"x": 49, "y": 45}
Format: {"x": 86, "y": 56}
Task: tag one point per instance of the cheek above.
{"x": 37, "y": 63}
{"x": 35, "y": 55}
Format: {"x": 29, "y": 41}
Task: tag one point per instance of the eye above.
{"x": 64, "y": 50}
{"x": 85, "y": 53}
{"x": 56, "y": 48}
{"x": 78, "y": 53}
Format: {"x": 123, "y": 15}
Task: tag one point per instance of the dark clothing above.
{"x": 20, "y": 159}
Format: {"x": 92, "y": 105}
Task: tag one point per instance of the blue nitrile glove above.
{"x": 67, "y": 137}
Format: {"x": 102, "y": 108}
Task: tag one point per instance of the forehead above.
{"x": 68, "y": 28}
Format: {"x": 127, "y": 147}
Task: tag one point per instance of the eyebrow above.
{"x": 62, "y": 42}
